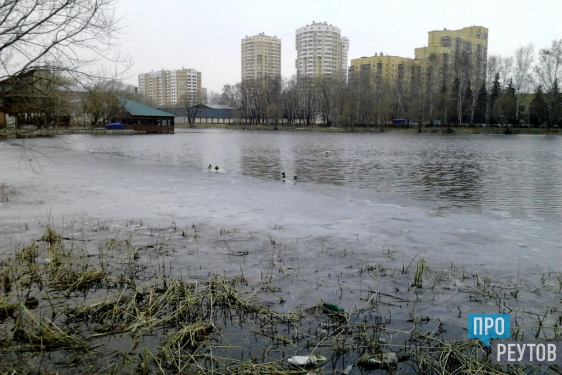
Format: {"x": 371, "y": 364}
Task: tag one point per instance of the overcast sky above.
{"x": 205, "y": 35}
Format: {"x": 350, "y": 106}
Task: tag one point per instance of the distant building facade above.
{"x": 321, "y": 51}
{"x": 261, "y": 57}
{"x": 172, "y": 87}
{"x": 469, "y": 44}
{"x": 444, "y": 46}
{"x": 40, "y": 98}
{"x": 382, "y": 69}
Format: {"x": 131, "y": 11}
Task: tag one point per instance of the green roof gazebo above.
{"x": 143, "y": 118}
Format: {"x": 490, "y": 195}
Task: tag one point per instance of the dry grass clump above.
{"x": 116, "y": 303}
{"x": 6, "y": 192}
{"x": 41, "y": 334}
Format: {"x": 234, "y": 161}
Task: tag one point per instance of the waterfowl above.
{"x": 217, "y": 168}
{"x": 283, "y": 175}
{"x": 209, "y": 167}
{"x": 295, "y": 178}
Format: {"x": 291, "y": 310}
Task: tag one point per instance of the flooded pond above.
{"x": 157, "y": 265}
{"x": 515, "y": 175}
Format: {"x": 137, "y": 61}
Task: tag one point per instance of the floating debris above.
{"x": 306, "y": 360}
{"x": 333, "y": 307}
{"x": 378, "y": 361}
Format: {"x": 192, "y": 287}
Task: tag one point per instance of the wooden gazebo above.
{"x": 143, "y": 118}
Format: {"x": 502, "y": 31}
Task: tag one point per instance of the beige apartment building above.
{"x": 444, "y": 44}
{"x": 321, "y": 51}
{"x": 172, "y": 87}
{"x": 380, "y": 68}
{"x": 442, "y": 47}
{"x": 261, "y": 57}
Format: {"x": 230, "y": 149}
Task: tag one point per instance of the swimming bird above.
{"x": 209, "y": 167}
{"x": 217, "y": 168}
{"x": 295, "y": 178}
{"x": 282, "y": 175}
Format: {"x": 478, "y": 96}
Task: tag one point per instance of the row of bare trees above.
{"x": 453, "y": 90}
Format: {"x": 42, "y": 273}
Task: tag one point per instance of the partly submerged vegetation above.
{"x": 117, "y": 300}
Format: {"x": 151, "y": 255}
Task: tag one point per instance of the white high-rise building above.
{"x": 172, "y": 87}
{"x": 321, "y": 51}
{"x": 261, "y": 57}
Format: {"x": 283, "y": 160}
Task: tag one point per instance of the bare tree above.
{"x": 549, "y": 67}
{"x": 505, "y": 69}
{"x": 57, "y": 35}
{"x": 104, "y": 100}
{"x": 328, "y": 92}
{"x": 214, "y": 97}
{"x": 492, "y": 71}
{"x": 291, "y": 99}
{"x": 308, "y": 95}
{"x": 522, "y": 71}
{"x": 230, "y": 96}
{"x": 549, "y": 75}
{"x": 191, "y": 103}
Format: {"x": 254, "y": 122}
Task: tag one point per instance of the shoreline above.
{"x": 23, "y": 133}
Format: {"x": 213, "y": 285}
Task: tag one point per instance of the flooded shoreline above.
{"x": 130, "y": 231}
{"x": 222, "y": 300}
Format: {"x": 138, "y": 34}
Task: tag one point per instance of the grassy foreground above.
{"x": 96, "y": 298}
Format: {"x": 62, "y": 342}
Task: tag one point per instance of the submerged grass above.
{"x": 113, "y": 306}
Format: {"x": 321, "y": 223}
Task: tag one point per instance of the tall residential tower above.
{"x": 261, "y": 57}
{"x": 321, "y": 51}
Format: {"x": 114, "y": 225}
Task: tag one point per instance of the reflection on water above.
{"x": 519, "y": 176}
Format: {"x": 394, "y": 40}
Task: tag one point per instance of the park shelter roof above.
{"x": 206, "y": 111}
{"x": 139, "y": 109}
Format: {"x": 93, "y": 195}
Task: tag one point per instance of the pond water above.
{"x": 484, "y": 195}
{"x": 364, "y": 209}
{"x": 515, "y": 176}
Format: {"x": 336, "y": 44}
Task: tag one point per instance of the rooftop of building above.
{"x": 138, "y": 109}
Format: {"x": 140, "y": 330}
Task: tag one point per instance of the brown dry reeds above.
{"x": 117, "y": 304}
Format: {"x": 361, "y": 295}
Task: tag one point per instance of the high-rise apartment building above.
{"x": 321, "y": 51}
{"x": 172, "y": 87}
{"x": 261, "y": 57}
{"x": 445, "y": 45}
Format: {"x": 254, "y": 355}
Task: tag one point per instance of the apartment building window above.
{"x": 458, "y": 43}
{"x": 446, "y": 41}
